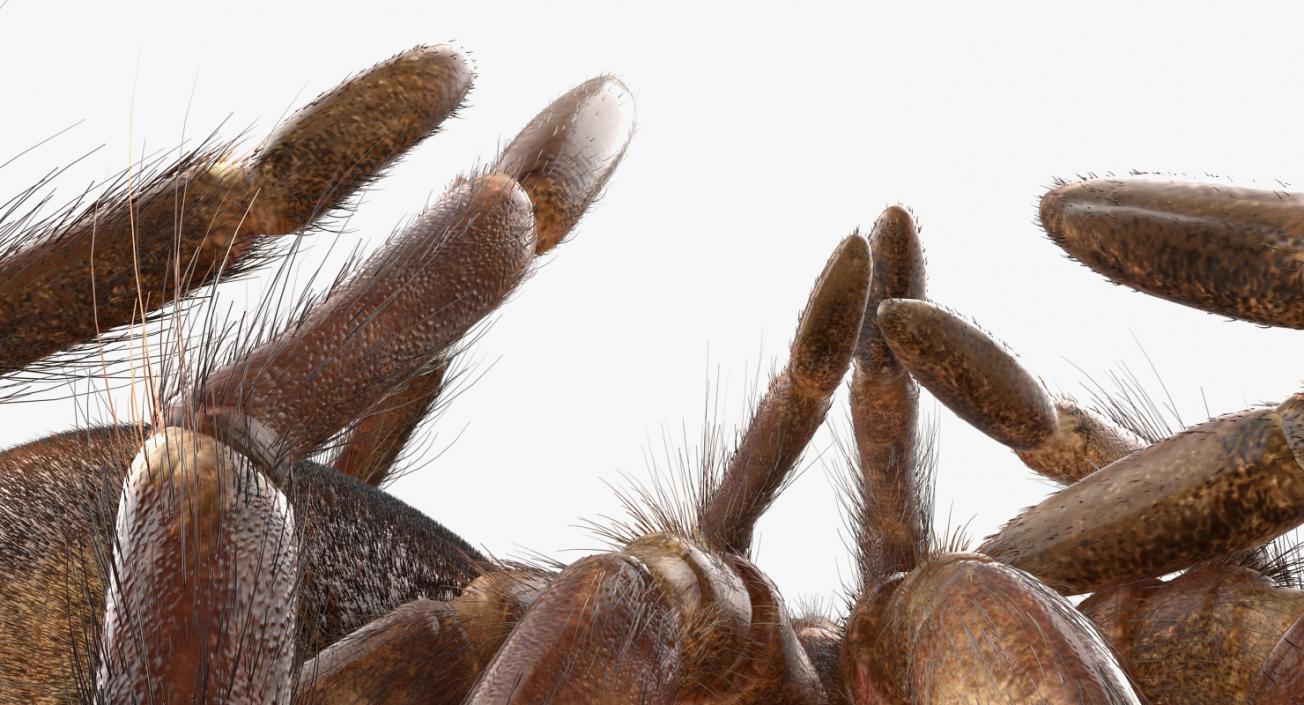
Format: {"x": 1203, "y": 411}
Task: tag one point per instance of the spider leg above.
{"x": 1231, "y": 251}
{"x": 146, "y": 246}
{"x": 375, "y": 441}
{"x": 201, "y": 604}
{"x": 695, "y": 623}
{"x": 1216, "y": 634}
{"x": 893, "y": 513}
{"x": 1223, "y": 486}
{"x": 1228, "y": 484}
{"x": 795, "y": 403}
{"x": 983, "y": 383}
{"x": 693, "y": 626}
{"x": 428, "y": 652}
{"x": 821, "y": 639}
{"x": 562, "y": 159}
{"x": 941, "y": 628}
{"x": 963, "y": 629}
{"x": 409, "y": 302}
{"x": 603, "y": 632}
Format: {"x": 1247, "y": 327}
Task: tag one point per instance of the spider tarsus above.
{"x": 1226, "y": 250}
{"x": 565, "y": 156}
{"x": 892, "y": 516}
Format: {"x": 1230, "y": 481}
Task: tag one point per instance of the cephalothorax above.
{"x": 199, "y": 555}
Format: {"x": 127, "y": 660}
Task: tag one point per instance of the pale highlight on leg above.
{"x": 202, "y": 600}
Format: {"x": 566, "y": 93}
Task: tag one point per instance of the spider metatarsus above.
{"x": 200, "y": 555}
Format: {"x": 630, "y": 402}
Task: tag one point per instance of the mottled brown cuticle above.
{"x": 603, "y": 617}
{"x": 340, "y": 141}
{"x": 963, "y": 629}
{"x": 205, "y": 568}
{"x": 409, "y": 302}
{"x": 565, "y": 155}
{"x": 968, "y": 372}
{"x": 1082, "y": 444}
{"x": 893, "y": 529}
{"x": 1208, "y": 637}
{"x": 795, "y": 403}
{"x": 897, "y": 273}
{"x": 1226, "y": 250}
{"x": 121, "y": 255}
{"x": 1224, "y": 485}
{"x": 826, "y": 334}
{"x": 148, "y": 245}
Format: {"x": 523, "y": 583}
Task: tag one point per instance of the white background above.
{"x": 764, "y": 138}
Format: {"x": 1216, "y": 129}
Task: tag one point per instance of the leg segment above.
{"x": 201, "y": 605}
{"x": 964, "y": 629}
{"x": 795, "y": 404}
{"x": 1228, "y": 484}
{"x": 894, "y": 510}
{"x": 1231, "y": 251}
{"x": 146, "y": 246}
{"x": 1217, "y": 634}
{"x": 984, "y": 384}
{"x": 562, "y": 160}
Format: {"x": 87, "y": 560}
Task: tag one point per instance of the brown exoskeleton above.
{"x": 1139, "y": 505}
{"x": 228, "y": 453}
{"x": 197, "y": 554}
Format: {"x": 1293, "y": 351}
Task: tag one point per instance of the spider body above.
{"x": 200, "y": 555}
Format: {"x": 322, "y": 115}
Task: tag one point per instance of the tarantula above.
{"x": 200, "y": 555}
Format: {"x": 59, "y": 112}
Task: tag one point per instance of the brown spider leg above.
{"x": 965, "y": 629}
{"x": 202, "y": 602}
{"x": 718, "y": 633}
{"x": 563, "y": 159}
{"x": 449, "y": 269}
{"x": 893, "y": 522}
{"x": 730, "y": 640}
{"x": 1216, "y": 634}
{"x": 377, "y": 439}
{"x": 136, "y": 251}
{"x": 821, "y": 639}
{"x": 795, "y": 404}
{"x": 565, "y": 155}
{"x": 775, "y": 667}
{"x": 984, "y": 384}
{"x": 1232, "y": 251}
{"x": 603, "y": 632}
{"x": 1226, "y": 485}
{"x": 425, "y": 652}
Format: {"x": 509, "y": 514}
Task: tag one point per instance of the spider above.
{"x": 228, "y": 560}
